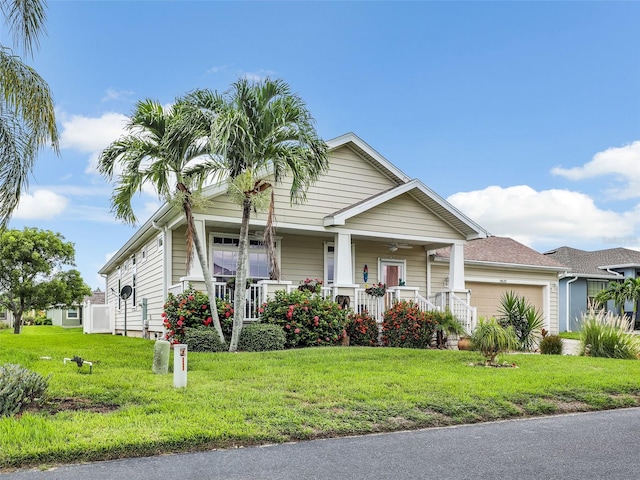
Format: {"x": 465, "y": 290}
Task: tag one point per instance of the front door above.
{"x": 392, "y": 272}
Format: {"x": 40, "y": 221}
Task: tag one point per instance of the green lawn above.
{"x": 252, "y": 398}
{"x": 570, "y": 335}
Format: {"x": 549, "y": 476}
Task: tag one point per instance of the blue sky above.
{"x": 525, "y": 115}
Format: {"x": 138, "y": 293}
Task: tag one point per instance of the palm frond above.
{"x": 26, "y": 20}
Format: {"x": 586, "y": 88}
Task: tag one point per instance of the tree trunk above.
{"x": 239, "y": 300}
{"x": 213, "y": 305}
{"x": 17, "y": 322}
{"x": 211, "y": 293}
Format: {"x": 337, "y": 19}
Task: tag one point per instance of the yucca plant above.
{"x": 526, "y": 320}
{"x": 492, "y": 339}
{"x": 607, "y": 335}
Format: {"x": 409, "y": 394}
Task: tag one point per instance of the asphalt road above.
{"x": 600, "y": 445}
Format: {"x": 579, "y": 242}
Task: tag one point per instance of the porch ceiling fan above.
{"x": 394, "y": 246}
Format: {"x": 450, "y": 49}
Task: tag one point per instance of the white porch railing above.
{"x": 460, "y": 308}
{"x": 424, "y": 304}
{"x": 374, "y": 306}
{"x": 255, "y": 296}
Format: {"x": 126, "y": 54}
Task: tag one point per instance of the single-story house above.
{"x": 586, "y": 275}
{"x": 364, "y": 222}
{"x": 73, "y": 315}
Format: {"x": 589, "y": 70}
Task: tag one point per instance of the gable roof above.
{"x": 503, "y": 251}
{"x": 362, "y": 148}
{"x": 595, "y": 264}
{"x": 427, "y": 197}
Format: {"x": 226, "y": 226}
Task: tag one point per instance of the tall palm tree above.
{"x": 158, "y": 151}
{"x": 27, "y": 118}
{"x": 260, "y": 133}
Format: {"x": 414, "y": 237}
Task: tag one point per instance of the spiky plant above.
{"x": 492, "y": 339}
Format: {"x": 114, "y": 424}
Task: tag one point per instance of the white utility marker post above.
{"x": 180, "y": 365}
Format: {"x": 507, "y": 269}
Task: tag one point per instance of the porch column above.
{"x": 343, "y": 263}
{"x": 196, "y": 269}
{"x": 456, "y": 268}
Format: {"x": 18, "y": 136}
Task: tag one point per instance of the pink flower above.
{"x": 261, "y": 310}
{"x": 180, "y": 323}
{"x": 297, "y": 330}
{"x": 227, "y": 314}
{"x": 181, "y": 318}
{"x": 287, "y": 326}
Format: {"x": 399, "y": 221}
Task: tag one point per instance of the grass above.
{"x": 254, "y": 398}
{"x": 570, "y": 335}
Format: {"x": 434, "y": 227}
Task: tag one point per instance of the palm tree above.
{"x": 615, "y": 291}
{"x": 160, "y": 152}
{"x": 632, "y": 294}
{"x": 260, "y": 133}
{"x": 27, "y": 118}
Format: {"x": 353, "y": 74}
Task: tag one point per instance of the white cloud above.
{"x": 623, "y": 163}
{"x": 260, "y": 75}
{"x": 113, "y": 94}
{"x": 40, "y": 205}
{"x": 149, "y": 209}
{"x": 217, "y": 69}
{"x": 550, "y": 217}
{"x": 91, "y": 135}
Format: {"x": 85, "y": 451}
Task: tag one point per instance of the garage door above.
{"x": 486, "y": 296}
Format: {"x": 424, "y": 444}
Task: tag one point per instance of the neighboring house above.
{"x": 73, "y": 316}
{"x": 587, "y": 274}
{"x": 364, "y": 222}
{"x": 496, "y": 265}
{"x": 6, "y": 317}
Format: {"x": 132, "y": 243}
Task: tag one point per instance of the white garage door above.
{"x": 486, "y": 296}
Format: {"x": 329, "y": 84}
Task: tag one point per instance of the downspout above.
{"x": 155, "y": 225}
{"x": 568, "y": 295}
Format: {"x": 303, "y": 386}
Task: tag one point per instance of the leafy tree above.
{"x": 166, "y": 152}
{"x": 30, "y": 272}
{"x": 260, "y": 133}
{"x": 27, "y": 118}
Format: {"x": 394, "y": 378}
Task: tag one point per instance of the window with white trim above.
{"x": 593, "y": 288}
{"x": 72, "y": 312}
{"x": 225, "y": 259}
{"x": 160, "y": 242}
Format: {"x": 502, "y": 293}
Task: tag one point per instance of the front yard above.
{"x": 123, "y": 409}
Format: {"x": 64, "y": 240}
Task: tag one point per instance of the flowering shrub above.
{"x": 313, "y": 286}
{"x": 191, "y": 309}
{"x": 362, "y": 329}
{"x": 307, "y": 319}
{"x": 405, "y": 325}
{"x": 376, "y": 290}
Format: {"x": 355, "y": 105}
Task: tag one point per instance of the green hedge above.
{"x": 203, "y": 339}
{"x": 261, "y": 337}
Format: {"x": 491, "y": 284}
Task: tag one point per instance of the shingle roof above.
{"x": 582, "y": 262}
{"x": 97, "y": 297}
{"x": 503, "y": 250}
